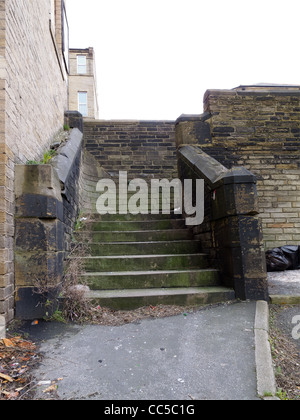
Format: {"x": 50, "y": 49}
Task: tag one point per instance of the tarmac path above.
{"x": 204, "y": 355}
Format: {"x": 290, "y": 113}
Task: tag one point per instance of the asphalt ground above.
{"x": 220, "y": 352}
{"x": 209, "y": 354}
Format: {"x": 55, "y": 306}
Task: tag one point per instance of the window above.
{"x": 82, "y": 103}
{"x": 81, "y": 64}
{"x": 52, "y": 15}
{"x": 65, "y": 36}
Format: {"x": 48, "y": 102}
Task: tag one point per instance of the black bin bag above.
{"x": 276, "y": 260}
{"x": 291, "y": 252}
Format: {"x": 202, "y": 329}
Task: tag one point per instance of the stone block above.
{"x": 39, "y": 235}
{"x": 235, "y": 199}
{"x": 244, "y": 270}
{"x": 74, "y": 120}
{"x": 237, "y": 230}
{"x": 37, "y": 180}
{"x": 39, "y": 206}
{"x": 192, "y": 130}
{"x": 64, "y": 161}
{"x": 30, "y": 304}
{"x": 39, "y": 268}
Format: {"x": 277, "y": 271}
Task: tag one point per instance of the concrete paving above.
{"x": 284, "y": 287}
{"x": 205, "y": 355}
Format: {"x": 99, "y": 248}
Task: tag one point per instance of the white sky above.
{"x": 156, "y": 58}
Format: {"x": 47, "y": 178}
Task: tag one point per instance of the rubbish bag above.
{"x": 276, "y": 260}
{"x": 291, "y": 252}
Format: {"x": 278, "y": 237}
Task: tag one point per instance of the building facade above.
{"x": 33, "y": 98}
{"x": 82, "y": 83}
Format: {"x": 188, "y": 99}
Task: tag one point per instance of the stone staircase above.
{"x": 144, "y": 260}
{"x": 141, "y": 260}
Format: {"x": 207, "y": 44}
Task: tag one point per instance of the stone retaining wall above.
{"x": 47, "y": 206}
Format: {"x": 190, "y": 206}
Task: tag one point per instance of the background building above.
{"x": 82, "y": 82}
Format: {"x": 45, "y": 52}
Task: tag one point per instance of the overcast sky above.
{"x": 156, "y": 58}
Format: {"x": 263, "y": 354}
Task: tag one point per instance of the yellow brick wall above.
{"x": 260, "y": 130}
{"x": 36, "y": 85}
{"x": 33, "y": 98}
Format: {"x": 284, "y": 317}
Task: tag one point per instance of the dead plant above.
{"x": 75, "y": 303}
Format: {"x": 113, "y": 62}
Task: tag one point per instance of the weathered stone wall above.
{"x": 33, "y": 97}
{"x": 257, "y": 128}
{"x": 145, "y": 149}
{"x": 39, "y": 238}
{"x": 47, "y": 207}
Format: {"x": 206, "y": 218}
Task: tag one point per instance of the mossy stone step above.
{"x": 136, "y": 298}
{"x": 134, "y": 236}
{"x": 144, "y": 248}
{"x": 135, "y": 225}
{"x": 151, "y": 279}
{"x": 145, "y": 262}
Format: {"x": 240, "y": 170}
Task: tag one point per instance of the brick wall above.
{"x": 35, "y": 82}
{"x": 259, "y": 128}
{"x": 145, "y": 149}
{"x": 33, "y": 97}
{"x": 7, "y": 199}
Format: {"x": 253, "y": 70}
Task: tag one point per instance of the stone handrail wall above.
{"x": 231, "y": 233}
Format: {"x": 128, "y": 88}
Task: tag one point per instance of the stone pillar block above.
{"x": 74, "y": 120}
{"x": 39, "y": 239}
{"x": 231, "y": 221}
{"x": 192, "y": 129}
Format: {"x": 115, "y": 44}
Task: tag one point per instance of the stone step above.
{"x": 145, "y": 205}
{"x": 129, "y": 217}
{"x": 145, "y": 262}
{"x": 134, "y": 236}
{"x": 144, "y": 248}
{"x": 151, "y": 279}
{"x": 132, "y": 196}
{"x": 136, "y": 298}
{"x": 163, "y": 224}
